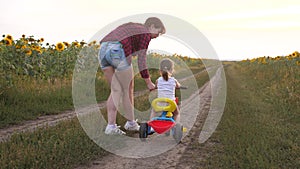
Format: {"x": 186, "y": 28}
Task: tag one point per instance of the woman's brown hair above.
{"x": 156, "y": 22}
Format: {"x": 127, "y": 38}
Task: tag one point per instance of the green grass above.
{"x": 28, "y": 101}
{"x": 62, "y": 146}
{"x": 19, "y": 104}
{"x": 257, "y": 129}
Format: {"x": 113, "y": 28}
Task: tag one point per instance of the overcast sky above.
{"x": 237, "y": 29}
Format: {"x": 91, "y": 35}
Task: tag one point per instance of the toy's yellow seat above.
{"x": 171, "y": 107}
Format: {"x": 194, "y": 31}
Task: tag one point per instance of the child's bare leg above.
{"x": 153, "y": 114}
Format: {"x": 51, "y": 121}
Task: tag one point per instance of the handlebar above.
{"x": 181, "y": 87}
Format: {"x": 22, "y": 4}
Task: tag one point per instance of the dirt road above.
{"x": 188, "y": 154}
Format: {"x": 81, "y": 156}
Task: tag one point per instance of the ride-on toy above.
{"x": 164, "y": 123}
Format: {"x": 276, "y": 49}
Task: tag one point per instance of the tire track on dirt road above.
{"x": 48, "y": 120}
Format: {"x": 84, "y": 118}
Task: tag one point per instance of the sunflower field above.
{"x": 36, "y": 77}
{"x": 30, "y": 58}
{"x": 282, "y": 74}
{"x": 291, "y": 59}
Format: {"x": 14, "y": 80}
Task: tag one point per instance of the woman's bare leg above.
{"x": 115, "y": 94}
{"x": 125, "y": 78}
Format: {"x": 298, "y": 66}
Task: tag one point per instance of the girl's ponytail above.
{"x": 166, "y": 68}
{"x": 165, "y": 75}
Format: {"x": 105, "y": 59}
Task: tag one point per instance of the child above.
{"x": 166, "y": 85}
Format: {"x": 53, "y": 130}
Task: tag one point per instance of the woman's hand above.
{"x": 150, "y": 85}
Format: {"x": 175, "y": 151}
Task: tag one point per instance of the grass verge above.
{"x": 257, "y": 129}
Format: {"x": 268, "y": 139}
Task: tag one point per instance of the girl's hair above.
{"x": 166, "y": 68}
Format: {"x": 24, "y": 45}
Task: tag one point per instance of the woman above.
{"x": 115, "y": 55}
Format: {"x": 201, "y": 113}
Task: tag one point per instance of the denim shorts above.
{"x": 112, "y": 54}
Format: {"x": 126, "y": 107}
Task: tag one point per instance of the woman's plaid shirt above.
{"x": 135, "y": 39}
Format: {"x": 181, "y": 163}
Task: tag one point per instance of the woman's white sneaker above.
{"x": 132, "y": 126}
{"x": 114, "y": 131}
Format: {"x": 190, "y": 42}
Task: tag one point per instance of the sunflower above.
{"x": 92, "y": 43}
{"x": 39, "y": 50}
{"x": 25, "y": 41}
{"x": 76, "y": 44}
{"x": 263, "y": 61}
{"x": 82, "y": 43}
{"x": 66, "y": 44}
{"x": 9, "y": 37}
{"x": 278, "y": 58}
{"x": 31, "y": 39}
{"x": 33, "y": 47}
{"x": 60, "y": 46}
{"x": 28, "y": 52}
{"x": 42, "y": 40}
{"x": 8, "y": 42}
{"x": 295, "y": 54}
{"x": 252, "y": 60}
